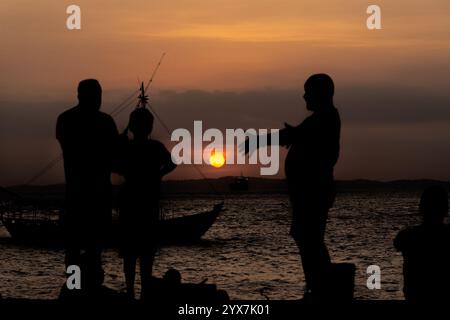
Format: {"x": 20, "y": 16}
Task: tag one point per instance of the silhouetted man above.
{"x": 87, "y": 138}
{"x": 426, "y": 250}
{"x": 309, "y": 165}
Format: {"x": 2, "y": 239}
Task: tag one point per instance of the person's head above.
{"x": 141, "y": 123}
{"x": 434, "y": 204}
{"x": 90, "y": 94}
{"x": 319, "y": 92}
{"x": 172, "y": 276}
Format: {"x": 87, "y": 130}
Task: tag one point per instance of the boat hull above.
{"x": 180, "y": 230}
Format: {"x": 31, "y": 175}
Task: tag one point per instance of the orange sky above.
{"x": 220, "y": 44}
{"x": 234, "y": 46}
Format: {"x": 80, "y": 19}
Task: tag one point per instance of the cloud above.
{"x": 401, "y": 125}
{"x": 270, "y": 107}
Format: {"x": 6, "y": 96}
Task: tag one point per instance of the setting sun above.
{"x": 217, "y": 159}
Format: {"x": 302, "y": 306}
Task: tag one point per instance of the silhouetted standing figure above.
{"x": 426, "y": 250}
{"x": 313, "y": 151}
{"x": 309, "y": 167}
{"x": 88, "y": 138}
{"x": 144, "y": 162}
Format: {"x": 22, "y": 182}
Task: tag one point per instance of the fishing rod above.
{"x": 155, "y": 71}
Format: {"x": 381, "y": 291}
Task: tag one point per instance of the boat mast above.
{"x": 142, "y": 98}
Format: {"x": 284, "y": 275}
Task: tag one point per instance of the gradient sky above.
{"x": 234, "y": 64}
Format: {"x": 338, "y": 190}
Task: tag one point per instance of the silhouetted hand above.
{"x": 245, "y": 146}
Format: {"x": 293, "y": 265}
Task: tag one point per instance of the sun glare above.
{"x": 217, "y": 159}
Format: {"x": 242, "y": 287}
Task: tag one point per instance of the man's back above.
{"x": 87, "y": 139}
{"x": 426, "y": 254}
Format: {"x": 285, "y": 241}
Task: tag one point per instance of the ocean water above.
{"x": 248, "y": 251}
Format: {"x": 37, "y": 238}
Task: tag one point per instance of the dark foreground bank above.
{"x": 241, "y": 309}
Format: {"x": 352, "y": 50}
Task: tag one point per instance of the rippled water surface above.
{"x": 248, "y": 249}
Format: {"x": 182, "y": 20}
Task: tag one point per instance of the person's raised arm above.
{"x": 285, "y": 138}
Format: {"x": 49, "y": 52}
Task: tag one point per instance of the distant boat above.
{"x": 41, "y": 231}
{"x": 239, "y": 184}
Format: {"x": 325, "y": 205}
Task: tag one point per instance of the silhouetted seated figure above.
{"x": 171, "y": 289}
{"x": 313, "y": 151}
{"x": 88, "y": 139}
{"x": 143, "y": 163}
{"x": 426, "y": 250}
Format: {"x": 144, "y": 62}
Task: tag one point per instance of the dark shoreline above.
{"x": 257, "y": 186}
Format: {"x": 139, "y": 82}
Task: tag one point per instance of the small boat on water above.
{"x": 240, "y": 183}
{"x": 45, "y": 230}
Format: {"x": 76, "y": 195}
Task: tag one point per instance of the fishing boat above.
{"x": 239, "y": 183}
{"x": 39, "y": 228}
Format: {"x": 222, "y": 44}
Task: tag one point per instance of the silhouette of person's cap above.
{"x": 320, "y": 85}
{"x": 434, "y": 202}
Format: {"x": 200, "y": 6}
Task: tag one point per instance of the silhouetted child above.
{"x": 143, "y": 163}
{"x": 426, "y": 250}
